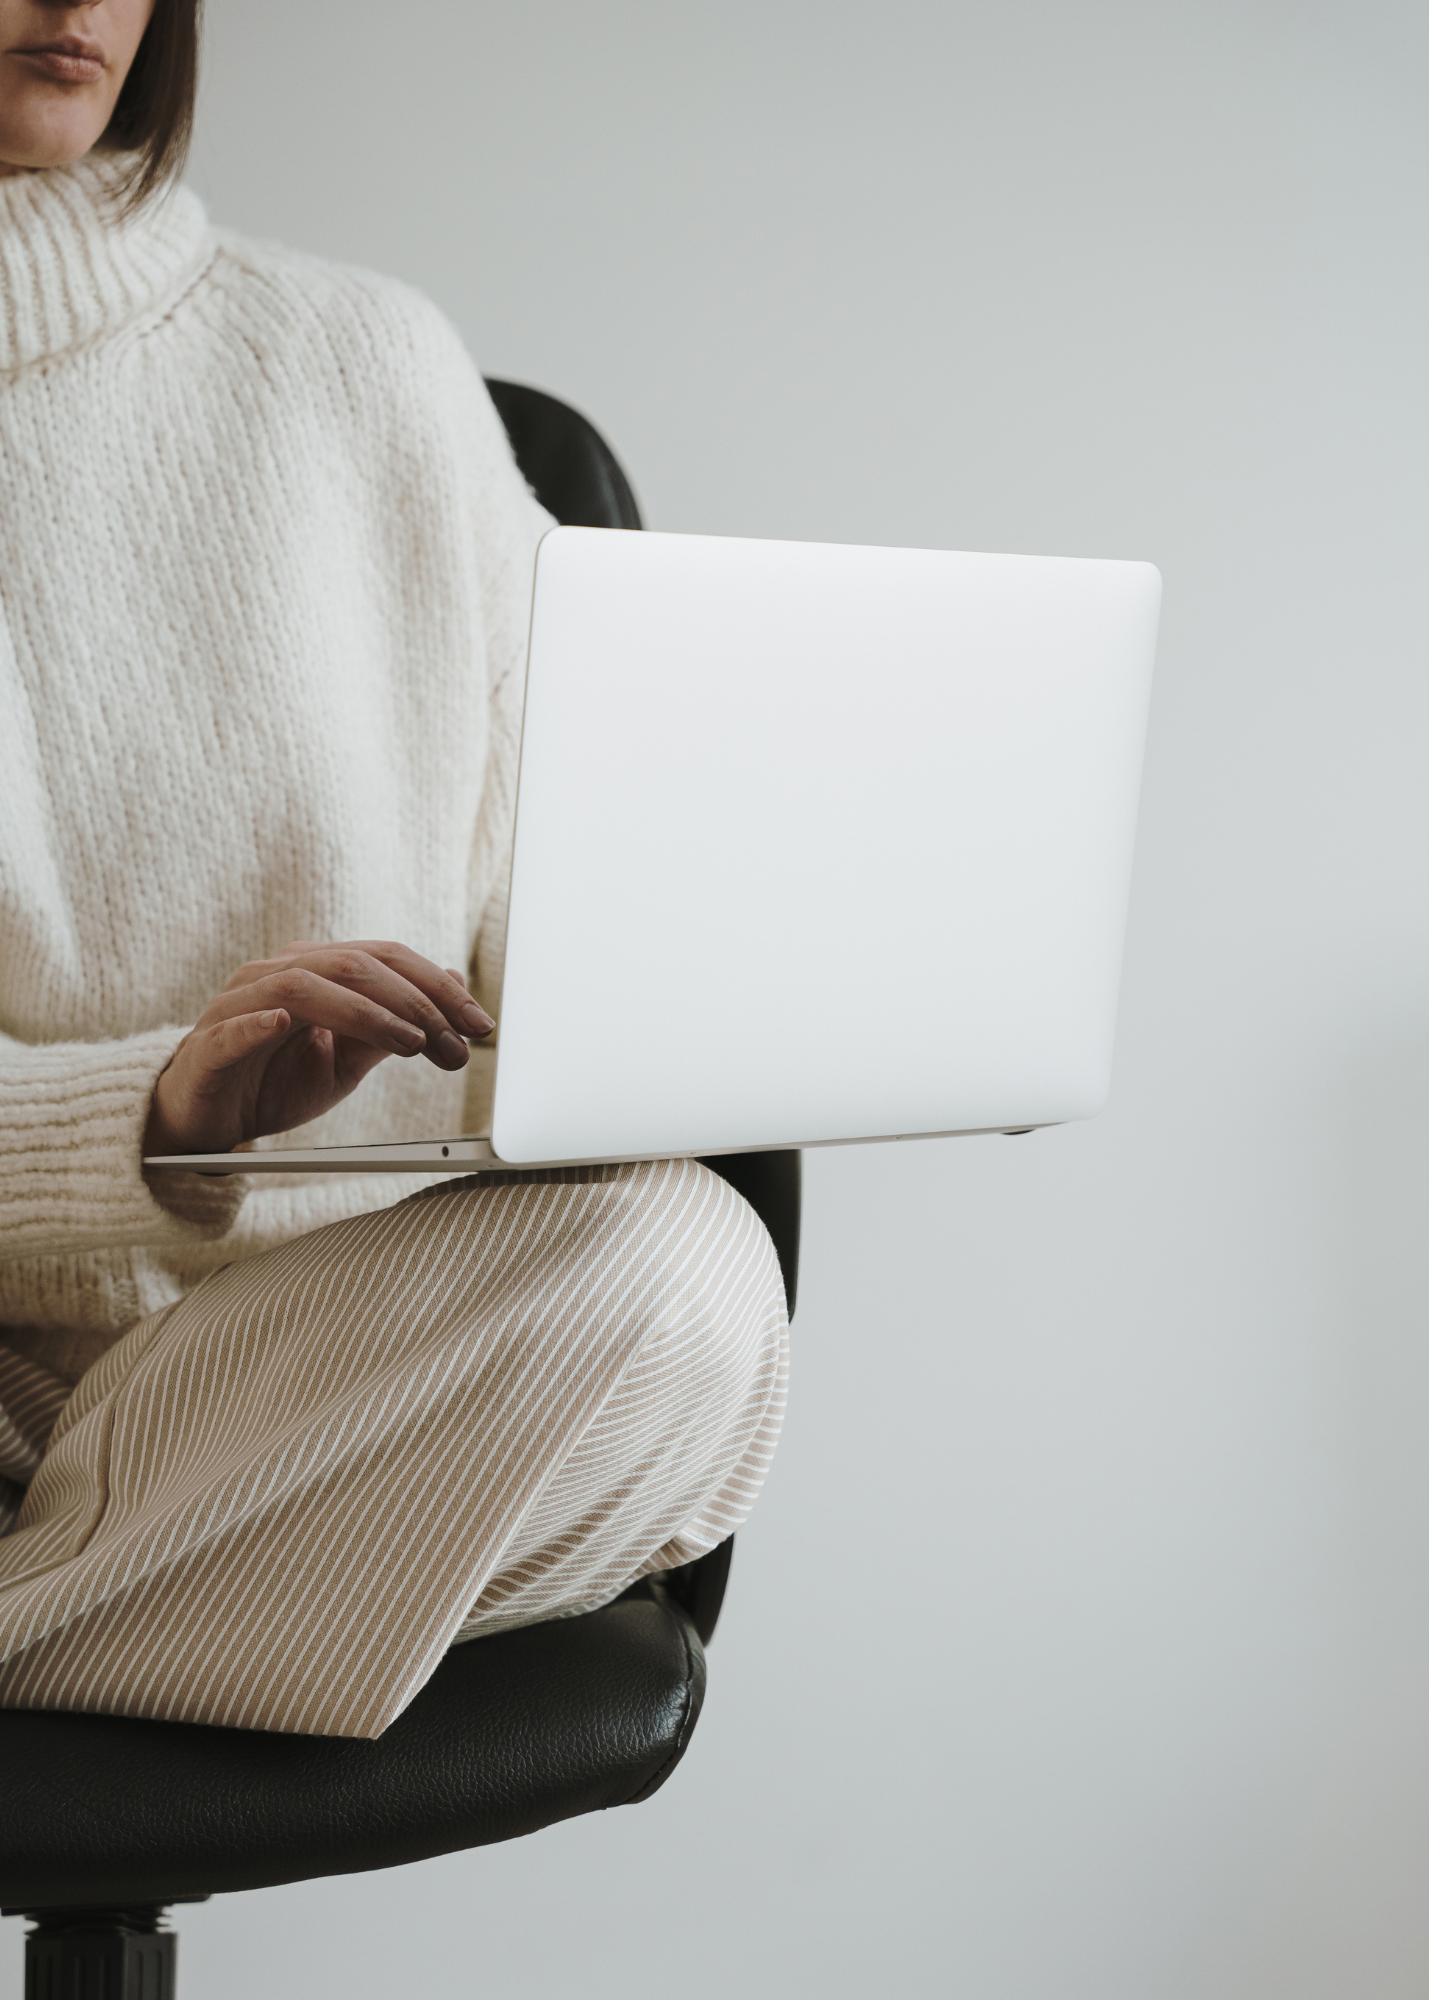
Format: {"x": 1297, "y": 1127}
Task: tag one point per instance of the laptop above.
{"x": 814, "y": 845}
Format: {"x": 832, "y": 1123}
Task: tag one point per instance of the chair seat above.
{"x": 512, "y": 1733}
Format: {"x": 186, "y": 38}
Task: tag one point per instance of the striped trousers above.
{"x": 276, "y": 1503}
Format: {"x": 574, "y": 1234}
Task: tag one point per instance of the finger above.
{"x": 228, "y": 1042}
{"x": 411, "y": 986}
{"x": 254, "y": 968}
{"x": 355, "y": 966}
{"x": 325, "y": 1003}
{"x": 473, "y": 1014}
{"x": 446, "y": 989}
{"x": 351, "y": 1062}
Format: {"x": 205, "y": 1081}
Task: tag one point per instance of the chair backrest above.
{"x": 568, "y": 465}
{"x": 576, "y": 477}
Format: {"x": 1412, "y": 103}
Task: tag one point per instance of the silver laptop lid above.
{"x": 816, "y": 844}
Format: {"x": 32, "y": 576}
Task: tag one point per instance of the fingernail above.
{"x": 479, "y": 1023}
{"x": 451, "y": 1048}
{"x": 410, "y": 1038}
{"x": 270, "y": 1019}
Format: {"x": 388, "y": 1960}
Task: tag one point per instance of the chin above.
{"x": 55, "y": 145}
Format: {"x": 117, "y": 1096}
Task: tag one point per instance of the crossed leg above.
{"x": 275, "y": 1504}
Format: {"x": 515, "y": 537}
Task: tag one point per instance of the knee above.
{"x": 707, "y": 1256}
{"x": 627, "y": 1253}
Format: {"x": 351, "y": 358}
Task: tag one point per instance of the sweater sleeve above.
{"x": 72, "y": 1118}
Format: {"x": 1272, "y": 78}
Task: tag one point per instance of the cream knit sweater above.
{"x": 265, "y": 568}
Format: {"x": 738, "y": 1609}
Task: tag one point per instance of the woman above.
{"x": 264, "y": 572}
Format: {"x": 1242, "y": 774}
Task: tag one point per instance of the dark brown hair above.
{"x": 154, "y": 115}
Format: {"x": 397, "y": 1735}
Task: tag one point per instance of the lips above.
{"x": 68, "y": 60}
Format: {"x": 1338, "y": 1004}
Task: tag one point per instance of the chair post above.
{"x": 120, "y": 1954}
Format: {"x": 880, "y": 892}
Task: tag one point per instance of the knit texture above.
{"x": 265, "y": 570}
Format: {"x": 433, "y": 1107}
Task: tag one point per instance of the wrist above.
{"x": 159, "y": 1134}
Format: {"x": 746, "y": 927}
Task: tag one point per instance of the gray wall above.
{"x": 1080, "y": 1645}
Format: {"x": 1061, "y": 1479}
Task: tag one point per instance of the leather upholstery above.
{"x": 772, "y": 1184}
{"x": 568, "y": 465}
{"x": 511, "y": 1733}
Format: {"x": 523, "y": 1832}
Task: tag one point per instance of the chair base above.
{"x": 121, "y": 1954}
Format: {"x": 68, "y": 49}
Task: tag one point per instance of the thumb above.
{"x": 228, "y": 1042}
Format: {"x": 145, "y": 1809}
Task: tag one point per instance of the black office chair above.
{"x": 105, "y": 1823}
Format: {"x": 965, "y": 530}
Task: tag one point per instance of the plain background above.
{"x": 1079, "y": 1649}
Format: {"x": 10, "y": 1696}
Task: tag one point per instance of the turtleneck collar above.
{"x": 72, "y": 267}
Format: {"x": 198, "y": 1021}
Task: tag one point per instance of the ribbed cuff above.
{"x": 72, "y": 1119}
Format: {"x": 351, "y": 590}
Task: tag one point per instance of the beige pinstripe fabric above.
{"x": 30, "y": 1403}
{"x": 275, "y": 1504}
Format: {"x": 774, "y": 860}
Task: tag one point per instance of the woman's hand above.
{"x": 291, "y": 1036}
